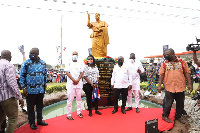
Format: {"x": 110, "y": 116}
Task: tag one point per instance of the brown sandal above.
{"x": 80, "y": 115}
{"x": 70, "y": 118}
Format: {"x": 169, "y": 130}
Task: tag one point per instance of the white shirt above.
{"x": 121, "y": 76}
{"x": 134, "y": 66}
{"x": 75, "y": 69}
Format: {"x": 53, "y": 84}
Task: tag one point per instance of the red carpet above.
{"x": 106, "y": 123}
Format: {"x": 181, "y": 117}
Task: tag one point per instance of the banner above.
{"x": 165, "y": 47}
{"x": 21, "y": 49}
{"x": 90, "y": 51}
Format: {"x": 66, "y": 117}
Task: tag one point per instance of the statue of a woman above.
{"x": 99, "y": 36}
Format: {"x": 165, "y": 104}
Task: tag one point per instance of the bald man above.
{"x": 121, "y": 81}
{"x": 74, "y": 85}
{"x": 33, "y": 77}
{"x": 9, "y": 92}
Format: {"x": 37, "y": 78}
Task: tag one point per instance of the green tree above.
{"x": 49, "y": 66}
{"x": 57, "y": 66}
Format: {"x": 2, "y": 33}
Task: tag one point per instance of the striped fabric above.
{"x": 8, "y": 83}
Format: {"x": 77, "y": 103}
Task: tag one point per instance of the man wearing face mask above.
{"x": 136, "y": 68}
{"x": 74, "y": 85}
{"x": 33, "y": 78}
{"x": 121, "y": 81}
{"x": 174, "y": 72}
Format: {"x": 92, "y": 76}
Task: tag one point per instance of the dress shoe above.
{"x": 137, "y": 110}
{"x": 97, "y": 112}
{"x": 128, "y": 109}
{"x": 123, "y": 111}
{"x": 90, "y": 113}
{"x": 114, "y": 111}
{"x": 2, "y": 131}
{"x": 43, "y": 123}
{"x": 181, "y": 120}
{"x": 184, "y": 112}
{"x": 166, "y": 119}
{"x": 33, "y": 126}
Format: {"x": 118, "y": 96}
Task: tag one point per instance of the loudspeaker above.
{"x": 151, "y": 126}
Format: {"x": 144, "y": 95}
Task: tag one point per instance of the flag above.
{"x": 64, "y": 48}
{"x": 59, "y": 57}
{"x": 21, "y": 49}
{"x": 57, "y": 48}
{"x": 95, "y": 93}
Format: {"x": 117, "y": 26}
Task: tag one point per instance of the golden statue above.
{"x": 99, "y": 36}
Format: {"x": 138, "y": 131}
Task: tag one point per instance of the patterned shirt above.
{"x": 173, "y": 73}
{"x": 91, "y": 73}
{"x": 8, "y": 83}
{"x": 33, "y": 76}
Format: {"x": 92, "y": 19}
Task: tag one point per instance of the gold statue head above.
{"x": 97, "y": 16}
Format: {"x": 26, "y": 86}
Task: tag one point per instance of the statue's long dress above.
{"x": 100, "y": 40}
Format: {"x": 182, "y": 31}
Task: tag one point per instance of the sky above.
{"x": 135, "y": 26}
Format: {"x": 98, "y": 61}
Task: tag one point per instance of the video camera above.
{"x": 196, "y": 96}
{"x": 193, "y": 47}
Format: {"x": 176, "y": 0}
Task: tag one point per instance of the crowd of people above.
{"x": 56, "y": 76}
{"x": 173, "y": 73}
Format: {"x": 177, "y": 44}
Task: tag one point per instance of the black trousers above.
{"x": 124, "y": 92}
{"x": 165, "y": 99}
{"x": 32, "y": 100}
{"x": 3, "y": 126}
{"x": 169, "y": 99}
{"x": 87, "y": 88}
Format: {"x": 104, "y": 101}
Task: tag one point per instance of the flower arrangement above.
{"x": 85, "y": 61}
{"x": 103, "y": 58}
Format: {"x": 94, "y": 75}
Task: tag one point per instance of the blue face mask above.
{"x": 74, "y": 57}
{"x": 32, "y": 56}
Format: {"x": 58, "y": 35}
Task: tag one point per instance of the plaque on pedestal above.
{"x": 105, "y": 67}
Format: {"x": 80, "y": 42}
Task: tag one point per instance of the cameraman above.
{"x": 196, "y": 61}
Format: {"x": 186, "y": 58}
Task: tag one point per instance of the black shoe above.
{"x": 166, "y": 119}
{"x": 123, "y": 111}
{"x": 42, "y": 123}
{"x": 137, "y": 110}
{"x": 90, "y": 113}
{"x": 184, "y": 112}
{"x": 128, "y": 109}
{"x": 114, "y": 111}
{"x": 33, "y": 126}
{"x": 181, "y": 120}
{"x": 2, "y": 131}
{"x": 97, "y": 112}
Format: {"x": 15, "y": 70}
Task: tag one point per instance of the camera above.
{"x": 194, "y": 47}
{"x": 196, "y": 96}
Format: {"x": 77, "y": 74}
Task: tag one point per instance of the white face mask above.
{"x": 132, "y": 60}
{"x": 74, "y": 57}
{"x": 150, "y": 64}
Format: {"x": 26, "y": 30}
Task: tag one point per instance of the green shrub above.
{"x": 55, "y": 88}
{"x": 51, "y": 89}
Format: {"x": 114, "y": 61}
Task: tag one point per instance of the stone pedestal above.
{"x": 105, "y": 67}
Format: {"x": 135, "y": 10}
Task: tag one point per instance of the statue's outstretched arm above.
{"x": 88, "y": 23}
